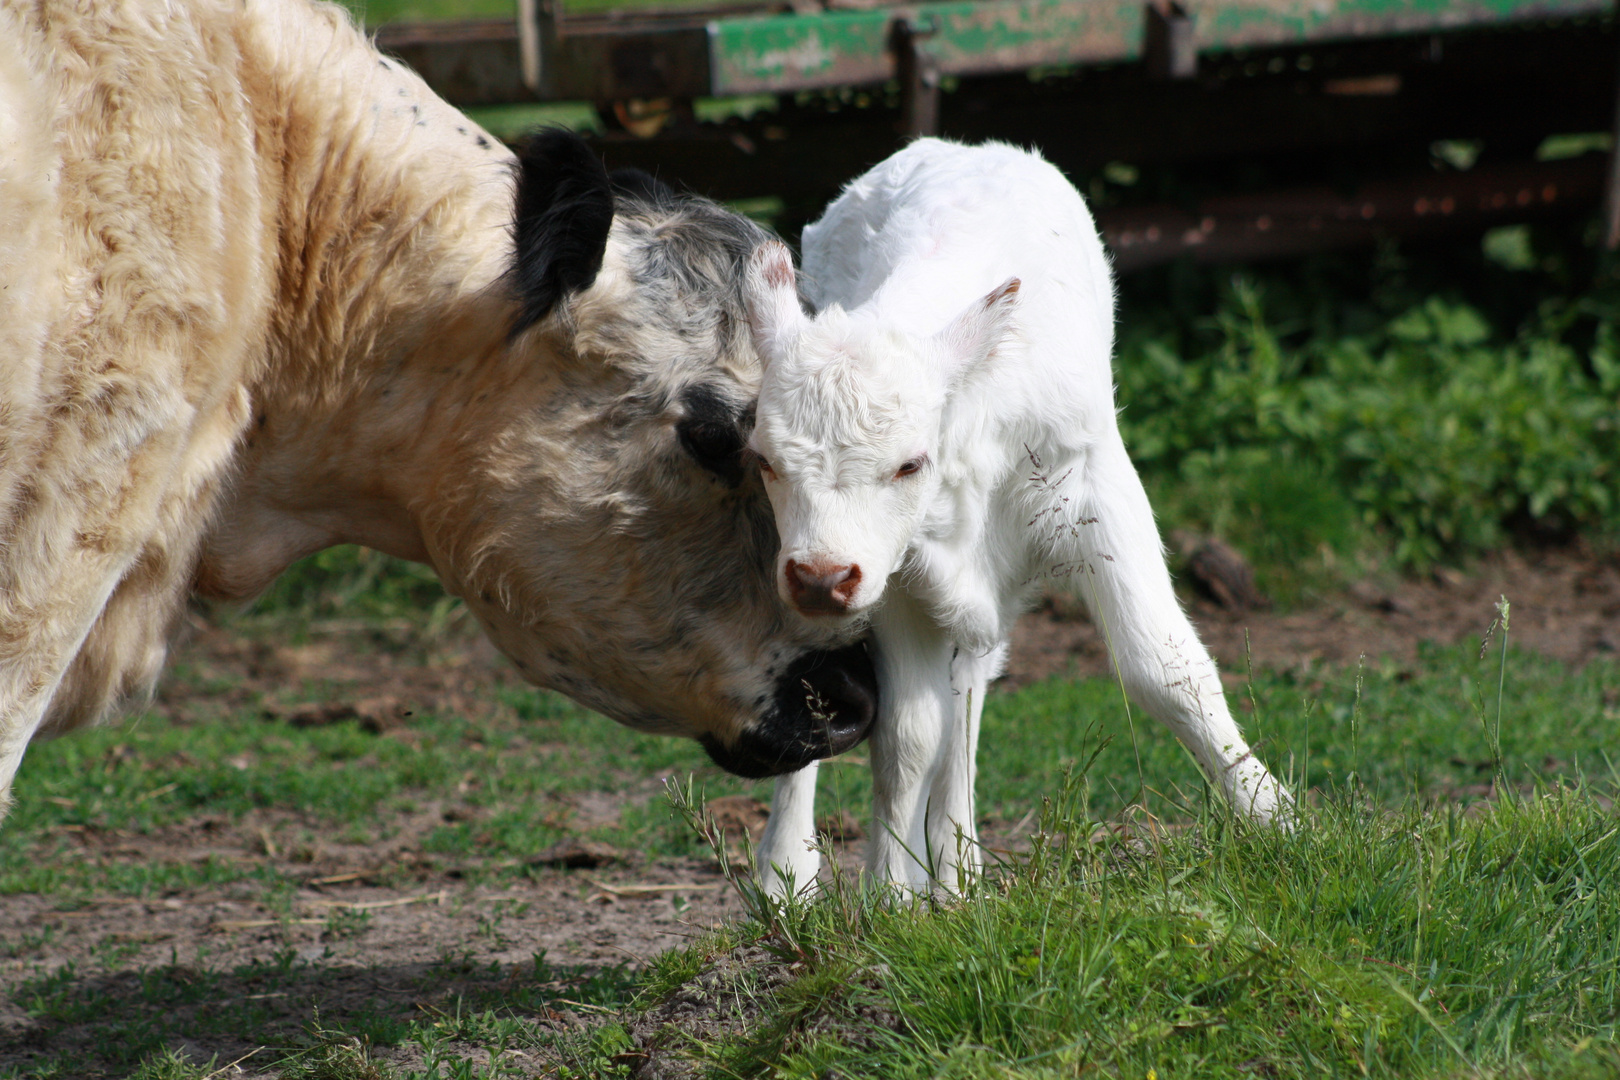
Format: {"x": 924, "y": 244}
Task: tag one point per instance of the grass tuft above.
{"x": 1372, "y": 941}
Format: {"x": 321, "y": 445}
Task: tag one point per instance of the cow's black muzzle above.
{"x": 825, "y": 703}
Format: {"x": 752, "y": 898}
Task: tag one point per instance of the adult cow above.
{"x": 262, "y": 292}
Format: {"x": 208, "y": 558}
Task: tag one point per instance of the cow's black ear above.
{"x": 564, "y": 212}
{"x": 642, "y": 186}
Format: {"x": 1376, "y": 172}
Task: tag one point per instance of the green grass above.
{"x": 149, "y": 775}
{"x": 460, "y": 1011}
{"x": 1396, "y": 933}
{"x": 1373, "y": 941}
{"x": 1418, "y": 730}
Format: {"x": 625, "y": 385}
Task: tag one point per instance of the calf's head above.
{"x": 847, "y": 432}
{"x": 599, "y": 514}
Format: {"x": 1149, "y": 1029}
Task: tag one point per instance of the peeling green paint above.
{"x": 851, "y": 48}
{"x": 1222, "y": 24}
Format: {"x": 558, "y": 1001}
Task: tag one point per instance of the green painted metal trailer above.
{"x": 975, "y": 37}
{"x": 1342, "y": 98}
{"x": 547, "y": 54}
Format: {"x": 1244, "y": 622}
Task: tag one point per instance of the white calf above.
{"x": 942, "y": 437}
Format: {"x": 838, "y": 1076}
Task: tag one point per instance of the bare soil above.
{"x": 345, "y": 940}
{"x": 1565, "y": 605}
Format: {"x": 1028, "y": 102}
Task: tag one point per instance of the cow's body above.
{"x": 259, "y": 298}
{"x": 944, "y": 444}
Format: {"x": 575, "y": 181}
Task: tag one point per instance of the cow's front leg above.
{"x": 787, "y": 858}
{"x": 50, "y": 631}
{"x": 909, "y": 743}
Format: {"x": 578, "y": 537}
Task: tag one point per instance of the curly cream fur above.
{"x": 251, "y": 305}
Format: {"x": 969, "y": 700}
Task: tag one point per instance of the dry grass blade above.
{"x": 231, "y": 1067}
{"x": 373, "y": 905}
{"x": 630, "y": 892}
{"x": 259, "y": 924}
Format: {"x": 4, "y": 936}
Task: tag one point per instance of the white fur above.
{"x": 966, "y": 322}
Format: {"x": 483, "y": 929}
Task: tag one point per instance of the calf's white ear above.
{"x": 772, "y": 295}
{"x": 974, "y": 336}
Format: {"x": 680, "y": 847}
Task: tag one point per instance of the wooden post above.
{"x": 918, "y": 75}
{"x": 537, "y": 43}
{"x": 1169, "y": 50}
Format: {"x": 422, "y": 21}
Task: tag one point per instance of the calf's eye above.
{"x": 764, "y": 465}
{"x": 909, "y": 468}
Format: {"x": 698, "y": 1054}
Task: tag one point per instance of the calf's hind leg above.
{"x": 1121, "y": 576}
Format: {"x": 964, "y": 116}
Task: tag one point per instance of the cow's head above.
{"x": 606, "y": 525}
{"x": 848, "y": 432}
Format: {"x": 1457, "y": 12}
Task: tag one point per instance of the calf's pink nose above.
{"x": 819, "y": 588}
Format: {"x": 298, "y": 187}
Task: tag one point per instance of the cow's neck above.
{"x": 392, "y": 235}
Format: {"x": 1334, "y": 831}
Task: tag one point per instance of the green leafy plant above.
{"x": 1430, "y": 428}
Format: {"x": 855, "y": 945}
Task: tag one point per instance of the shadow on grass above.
{"x": 64, "y": 1024}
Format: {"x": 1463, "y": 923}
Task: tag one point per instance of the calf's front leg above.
{"x": 910, "y": 747}
{"x": 952, "y": 814}
{"x": 787, "y": 858}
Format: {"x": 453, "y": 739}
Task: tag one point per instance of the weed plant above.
{"x": 1350, "y": 404}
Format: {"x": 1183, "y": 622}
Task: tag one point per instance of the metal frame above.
{"x": 547, "y": 55}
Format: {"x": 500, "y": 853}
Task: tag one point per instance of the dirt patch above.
{"x": 246, "y": 967}
{"x": 1565, "y": 605}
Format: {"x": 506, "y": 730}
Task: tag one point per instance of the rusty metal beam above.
{"x": 1509, "y": 89}
{"x": 1281, "y": 223}
{"x": 481, "y": 62}
{"x": 469, "y": 62}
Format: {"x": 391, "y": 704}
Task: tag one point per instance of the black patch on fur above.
{"x": 825, "y": 704}
{"x": 564, "y": 212}
{"x": 711, "y": 434}
{"x": 641, "y": 186}
{"x": 483, "y": 143}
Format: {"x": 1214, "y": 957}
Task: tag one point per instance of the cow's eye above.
{"x": 909, "y": 468}
{"x": 715, "y": 446}
{"x": 710, "y": 434}
{"x": 764, "y": 464}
